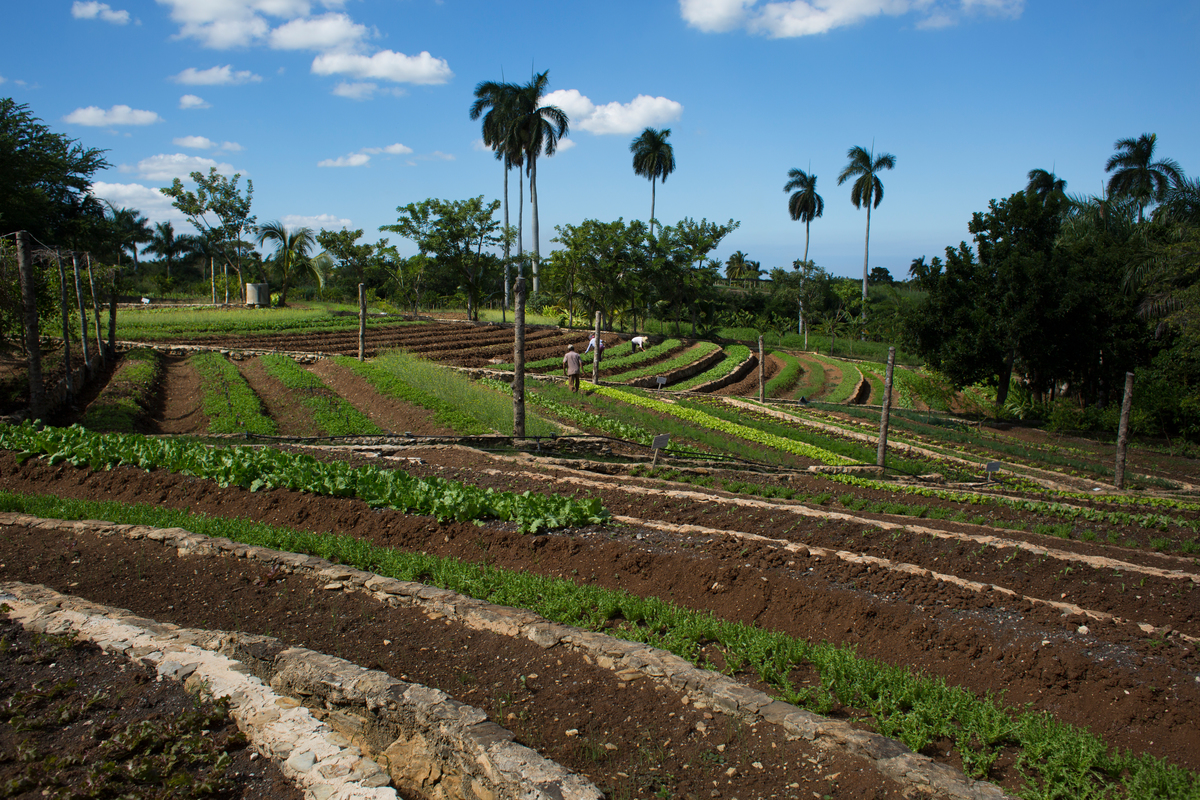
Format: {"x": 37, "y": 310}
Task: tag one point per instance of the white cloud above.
{"x": 352, "y": 160}
{"x": 231, "y": 147}
{"x": 194, "y": 142}
{"x": 614, "y": 117}
{"x": 392, "y": 149}
{"x": 355, "y": 91}
{"x": 94, "y": 10}
{"x": 117, "y": 115}
{"x": 150, "y": 201}
{"x": 192, "y": 101}
{"x": 385, "y": 65}
{"x": 316, "y": 222}
{"x": 565, "y": 144}
{"x": 791, "y": 18}
{"x": 436, "y": 155}
{"x": 166, "y": 167}
{"x": 327, "y": 32}
{"x": 215, "y": 76}
{"x": 222, "y": 24}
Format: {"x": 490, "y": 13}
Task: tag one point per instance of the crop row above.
{"x": 256, "y": 468}
{"x": 227, "y": 399}
{"x": 330, "y": 413}
{"x": 126, "y": 396}
{"x": 735, "y": 354}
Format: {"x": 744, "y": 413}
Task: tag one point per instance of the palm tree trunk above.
{"x": 651, "y": 206}
{"x": 507, "y": 244}
{"x": 866, "y": 251}
{"x": 537, "y": 250}
{"x": 806, "y": 224}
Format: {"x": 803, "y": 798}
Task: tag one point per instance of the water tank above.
{"x": 258, "y": 294}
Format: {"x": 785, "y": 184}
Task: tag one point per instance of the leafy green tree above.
{"x": 866, "y": 190}
{"x": 1042, "y": 184}
{"x": 1135, "y": 174}
{"x": 45, "y": 179}
{"x": 291, "y": 251}
{"x": 220, "y": 212}
{"x": 805, "y": 204}
{"x": 653, "y": 158}
{"x": 454, "y": 234}
{"x": 538, "y": 129}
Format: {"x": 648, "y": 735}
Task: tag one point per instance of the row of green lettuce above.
{"x": 257, "y": 468}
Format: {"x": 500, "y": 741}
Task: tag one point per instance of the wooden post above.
{"x": 112, "y": 314}
{"x": 596, "y": 354}
{"x": 362, "y": 322}
{"x": 518, "y": 385}
{"x": 762, "y": 372}
{"x": 212, "y": 274}
{"x": 881, "y": 453}
{"x": 96, "y": 310}
{"x": 64, "y": 309}
{"x": 83, "y": 325}
{"x": 33, "y": 345}
{"x": 1123, "y": 432}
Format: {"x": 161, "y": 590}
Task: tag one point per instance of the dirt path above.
{"x": 748, "y": 386}
{"x": 291, "y": 418}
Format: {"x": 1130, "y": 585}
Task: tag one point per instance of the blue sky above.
{"x": 342, "y": 110}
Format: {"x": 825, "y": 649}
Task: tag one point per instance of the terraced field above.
{"x": 1035, "y": 636}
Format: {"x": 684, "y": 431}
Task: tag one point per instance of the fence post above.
{"x": 887, "y": 408}
{"x": 33, "y": 345}
{"x": 83, "y": 325}
{"x": 596, "y": 354}
{"x": 362, "y": 322}
{"x": 518, "y": 386}
{"x": 66, "y": 326}
{"x": 1123, "y": 432}
{"x": 762, "y": 372}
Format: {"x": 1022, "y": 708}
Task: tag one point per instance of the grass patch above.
{"x": 127, "y": 395}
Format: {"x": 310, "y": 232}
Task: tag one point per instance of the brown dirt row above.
{"x": 1131, "y": 691}
{"x": 631, "y": 737}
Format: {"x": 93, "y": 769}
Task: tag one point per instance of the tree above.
{"x": 291, "y": 251}
{"x": 454, "y": 234}
{"x": 219, "y": 196}
{"x": 867, "y": 190}
{"x": 538, "y": 129}
{"x": 1136, "y": 175}
{"x": 805, "y": 204}
{"x": 653, "y": 158}
{"x": 881, "y": 276}
{"x": 169, "y": 247}
{"x": 353, "y": 263}
{"x": 740, "y": 268}
{"x": 45, "y": 178}
{"x": 1042, "y": 184}
{"x": 500, "y": 101}
{"x": 127, "y": 229}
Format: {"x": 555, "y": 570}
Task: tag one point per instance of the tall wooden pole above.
{"x": 64, "y": 308}
{"x": 762, "y": 372}
{"x": 83, "y": 323}
{"x": 33, "y": 348}
{"x": 518, "y": 385}
{"x": 881, "y": 453}
{"x": 1123, "y": 432}
{"x": 362, "y": 322}
{"x": 96, "y": 309}
{"x": 596, "y": 354}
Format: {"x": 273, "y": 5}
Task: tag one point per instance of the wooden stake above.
{"x": 518, "y": 386}
{"x": 33, "y": 344}
{"x": 1123, "y": 432}
{"x": 881, "y": 453}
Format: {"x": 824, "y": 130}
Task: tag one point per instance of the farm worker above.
{"x": 598, "y": 344}
{"x": 571, "y": 366}
{"x": 638, "y": 343}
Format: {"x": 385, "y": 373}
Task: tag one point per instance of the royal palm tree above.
{"x": 741, "y": 268}
{"x": 867, "y": 190}
{"x": 1136, "y": 175}
{"x": 169, "y": 247}
{"x": 128, "y": 229}
{"x": 291, "y": 250}
{"x": 653, "y": 157}
{"x": 499, "y": 101}
{"x": 538, "y": 129}
{"x": 805, "y": 204}
{"x": 1043, "y": 185}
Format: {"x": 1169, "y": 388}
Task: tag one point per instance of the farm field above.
{"x": 1044, "y": 598}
